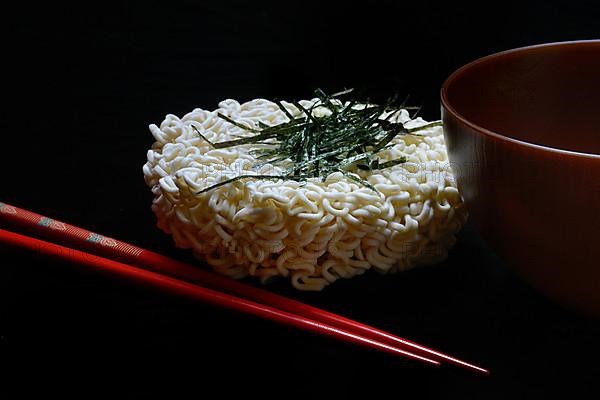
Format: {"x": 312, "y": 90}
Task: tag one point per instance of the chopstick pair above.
{"x": 159, "y": 272}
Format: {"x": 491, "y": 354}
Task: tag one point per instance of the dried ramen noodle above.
{"x": 310, "y": 232}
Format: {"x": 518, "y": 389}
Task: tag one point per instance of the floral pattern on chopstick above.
{"x": 6, "y": 209}
{"x": 52, "y": 224}
{"x": 103, "y": 240}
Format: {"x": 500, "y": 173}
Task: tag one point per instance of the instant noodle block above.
{"x": 311, "y": 232}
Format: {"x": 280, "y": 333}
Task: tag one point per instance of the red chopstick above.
{"x": 189, "y": 290}
{"x": 130, "y": 254}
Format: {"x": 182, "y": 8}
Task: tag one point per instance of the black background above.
{"x": 82, "y": 83}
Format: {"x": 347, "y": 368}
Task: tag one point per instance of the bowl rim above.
{"x": 465, "y": 68}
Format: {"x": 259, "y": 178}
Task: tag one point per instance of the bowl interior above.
{"x": 546, "y": 95}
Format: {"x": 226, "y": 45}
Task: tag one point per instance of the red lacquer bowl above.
{"x": 523, "y": 135}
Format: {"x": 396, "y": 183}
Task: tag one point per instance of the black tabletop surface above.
{"x": 81, "y": 86}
